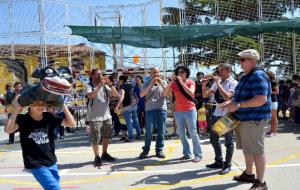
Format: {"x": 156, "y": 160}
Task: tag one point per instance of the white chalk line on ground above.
{"x": 64, "y": 172}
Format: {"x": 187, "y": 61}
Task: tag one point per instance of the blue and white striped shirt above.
{"x": 257, "y": 83}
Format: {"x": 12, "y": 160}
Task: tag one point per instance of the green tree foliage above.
{"x": 276, "y": 46}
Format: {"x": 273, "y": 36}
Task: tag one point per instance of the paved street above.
{"x": 128, "y": 173}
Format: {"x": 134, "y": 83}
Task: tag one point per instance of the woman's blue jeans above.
{"x": 188, "y": 119}
{"x": 130, "y": 115}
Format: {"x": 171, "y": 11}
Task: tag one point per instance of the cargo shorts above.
{"x": 100, "y": 129}
{"x": 250, "y": 136}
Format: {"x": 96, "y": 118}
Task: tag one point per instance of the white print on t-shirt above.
{"x": 39, "y": 136}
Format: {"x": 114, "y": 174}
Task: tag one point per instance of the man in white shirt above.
{"x": 222, "y": 90}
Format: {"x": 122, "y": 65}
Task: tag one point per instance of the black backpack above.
{"x": 130, "y": 98}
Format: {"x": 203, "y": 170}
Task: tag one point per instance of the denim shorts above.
{"x": 274, "y": 105}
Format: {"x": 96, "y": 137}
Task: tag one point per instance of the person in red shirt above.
{"x": 185, "y": 111}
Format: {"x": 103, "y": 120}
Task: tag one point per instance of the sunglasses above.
{"x": 244, "y": 59}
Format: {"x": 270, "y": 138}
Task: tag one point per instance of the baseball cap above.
{"x": 250, "y": 54}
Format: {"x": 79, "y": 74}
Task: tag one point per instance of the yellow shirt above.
{"x": 201, "y": 114}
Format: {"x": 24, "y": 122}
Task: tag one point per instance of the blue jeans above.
{"x": 158, "y": 116}
{"x": 215, "y": 142}
{"x": 47, "y": 177}
{"x": 131, "y": 119}
{"x": 188, "y": 119}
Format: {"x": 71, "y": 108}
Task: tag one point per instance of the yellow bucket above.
{"x": 226, "y": 124}
{"x": 121, "y": 117}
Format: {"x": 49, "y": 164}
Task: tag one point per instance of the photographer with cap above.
{"x": 252, "y": 103}
{"x": 222, "y": 90}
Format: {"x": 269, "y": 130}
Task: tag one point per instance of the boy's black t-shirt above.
{"x": 37, "y": 139}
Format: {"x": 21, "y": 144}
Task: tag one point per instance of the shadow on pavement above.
{"x": 211, "y": 187}
{"x": 133, "y": 164}
{"x": 172, "y": 179}
{"x": 74, "y": 165}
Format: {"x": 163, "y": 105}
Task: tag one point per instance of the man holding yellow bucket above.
{"x": 252, "y": 103}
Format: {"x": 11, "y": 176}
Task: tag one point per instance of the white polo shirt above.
{"x": 228, "y": 85}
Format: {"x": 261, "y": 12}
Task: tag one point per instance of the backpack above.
{"x": 130, "y": 98}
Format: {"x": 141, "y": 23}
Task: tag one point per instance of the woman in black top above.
{"x": 275, "y": 92}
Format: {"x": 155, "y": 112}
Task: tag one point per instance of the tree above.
{"x": 276, "y": 46}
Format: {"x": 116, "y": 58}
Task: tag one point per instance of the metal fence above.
{"x": 44, "y": 22}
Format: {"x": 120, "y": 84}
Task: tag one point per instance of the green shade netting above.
{"x": 177, "y": 36}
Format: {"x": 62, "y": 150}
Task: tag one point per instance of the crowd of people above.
{"x": 130, "y": 108}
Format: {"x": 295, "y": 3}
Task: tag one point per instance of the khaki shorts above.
{"x": 250, "y": 136}
{"x": 100, "y": 129}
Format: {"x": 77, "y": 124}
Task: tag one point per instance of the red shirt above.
{"x": 181, "y": 102}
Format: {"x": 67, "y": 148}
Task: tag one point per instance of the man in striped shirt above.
{"x": 252, "y": 103}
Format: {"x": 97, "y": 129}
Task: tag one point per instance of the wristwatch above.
{"x": 238, "y": 105}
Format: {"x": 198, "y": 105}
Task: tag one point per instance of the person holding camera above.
{"x": 222, "y": 90}
{"x": 99, "y": 92}
{"x": 185, "y": 111}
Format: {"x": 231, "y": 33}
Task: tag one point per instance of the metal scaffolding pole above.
{"x": 261, "y": 36}
{"x": 11, "y": 21}
{"x": 294, "y": 50}
{"x": 218, "y": 40}
{"x": 43, "y": 52}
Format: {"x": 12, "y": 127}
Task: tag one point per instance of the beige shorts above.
{"x": 100, "y": 129}
{"x": 250, "y": 136}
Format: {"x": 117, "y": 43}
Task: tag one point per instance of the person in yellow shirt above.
{"x": 202, "y": 123}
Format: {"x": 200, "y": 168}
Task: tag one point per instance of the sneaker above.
{"x": 97, "y": 161}
{"x": 138, "y": 137}
{"x": 107, "y": 157}
{"x": 143, "y": 155}
{"x": 127, "y": 140}
{"x": 245, "y": 178}
{"x": 197, "y": 159}
{"x": 225, "y": 170}
{"x": 215, "y": 165}
{"x": 10, "y": 142}
{"x": 160, "y": 154}
{"x": 185, "y": 158}
{"x": 270, "y": 134}
{"x": 259, "y": 185}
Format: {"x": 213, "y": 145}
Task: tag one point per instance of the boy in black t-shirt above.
{"x": 37, "y": 140}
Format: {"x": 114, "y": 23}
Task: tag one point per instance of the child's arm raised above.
{"x": 11, "y": 125}
{"x": 69, "y": 120}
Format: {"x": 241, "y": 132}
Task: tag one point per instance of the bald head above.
{"x": 154, "y": 72}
